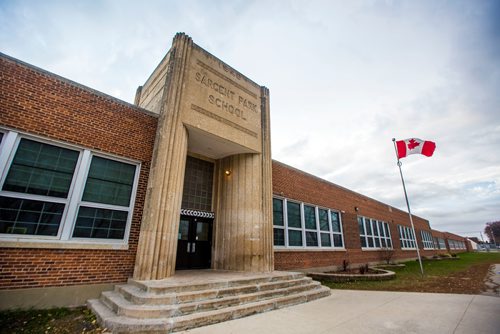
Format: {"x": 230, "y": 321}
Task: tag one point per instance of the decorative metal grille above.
{"x": 197, "y": 213}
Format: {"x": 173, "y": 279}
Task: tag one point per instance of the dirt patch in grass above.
{"x": 53, "y": 321}
{"x": 469, "y": 281}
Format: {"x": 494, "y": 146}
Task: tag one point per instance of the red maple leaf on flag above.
{"x": 412, "y": 144}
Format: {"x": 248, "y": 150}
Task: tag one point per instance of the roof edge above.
{"x": 76, "y": 84}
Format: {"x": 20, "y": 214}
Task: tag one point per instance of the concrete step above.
{"x": 140, "y": 296}
{"x": 125, "y": 324}
{"x": 121, "y": 305}
{"x": 166, "y": 286}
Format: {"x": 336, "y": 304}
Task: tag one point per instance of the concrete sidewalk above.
{"x": 347, "y": 311}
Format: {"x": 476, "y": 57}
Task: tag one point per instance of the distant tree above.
{"x": 492, "y": 230}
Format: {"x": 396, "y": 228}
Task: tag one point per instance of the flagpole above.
{"x": 408, "y": 205}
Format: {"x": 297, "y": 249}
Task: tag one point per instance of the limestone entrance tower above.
{"x": 217, "y": 118}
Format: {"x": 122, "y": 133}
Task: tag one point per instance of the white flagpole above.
{"x": 408, "y": 205}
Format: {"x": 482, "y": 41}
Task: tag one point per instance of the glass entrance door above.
{"x": 194, "y": 244}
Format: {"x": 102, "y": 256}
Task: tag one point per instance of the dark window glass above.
{"x": 279, "y": 237}
{"x": 41, "y": 169}
{"x": 202, "y": 231}
{"x": 198, "y": 184}
{"x": 22, "y": 216}
{"x": 325, "y": 240}
{"x": 384, "y": 245}
{"x": 387, "y": 232}
{"x": 368, "y": 226}
{"x": 363, "y": 241}
{"x": 278, "y": 212}
{"x": 337, "y": 240}
{"x": 376, "y": 226}
{"x": 100, "y": 223}
{"x": 183, "y": 230}
{"x": 293, "y": 213}
{"x": 360, "y": 225}
{"x": 109, "y": 182}
{"x": 310, "y": 217}
{"x": 294, "y": 238}
{"x": 323, "y": 220}
{"x": 377, "y": 242}
{"x": 311, "y": 239}
{"x": 335, "y": 221}
{"x": 370, "y": 242}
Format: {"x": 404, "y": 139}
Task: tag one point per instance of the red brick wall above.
{"x": 37, "y": 102}
{"x": 294, "y": 184}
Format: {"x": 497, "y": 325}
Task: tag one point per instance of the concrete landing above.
{"x": 374, "y": 312}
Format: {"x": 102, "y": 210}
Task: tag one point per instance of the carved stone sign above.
{"x": 221, "y": 101}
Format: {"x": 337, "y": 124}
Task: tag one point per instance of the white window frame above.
{"x": 427, "y": 240}
{"x": 383, "y": 233}
{"x": 303, "y": 228}
{"x": 406, "y": 237}
{"x": 280, "y": 227}
{"x": 299, "y": 229}
{"x": 73, "y": 201}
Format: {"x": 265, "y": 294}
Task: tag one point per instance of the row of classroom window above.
{"x": 65, "y": 193}
{"x": 301, "y": 225}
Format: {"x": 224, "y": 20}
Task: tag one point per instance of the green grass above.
{"x": 409, "y": 278}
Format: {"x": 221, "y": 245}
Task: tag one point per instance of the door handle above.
{"x": 189, "y": 247}
{"x": 193, "y": 249}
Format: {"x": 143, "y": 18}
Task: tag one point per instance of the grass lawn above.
{"x": 465, "y": 275}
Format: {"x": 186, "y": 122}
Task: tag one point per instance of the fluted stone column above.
{"x": 156, "y": 254}
{"x": 244, "y": 230}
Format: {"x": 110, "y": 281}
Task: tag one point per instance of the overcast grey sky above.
{"x": 345, "y": 77}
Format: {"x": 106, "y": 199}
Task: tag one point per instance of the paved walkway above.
{"x": 347, "y": 311}
{"x": 493, "y": 282}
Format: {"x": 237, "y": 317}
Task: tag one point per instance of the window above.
{"x": 302, "y": 225}
{"x": 278, "y": 222}
{"x": 406, "y": 237}
{"x": 294, "y": 224}
{"x": 52, "y": 191}
{"x": 373, "y": 233}
{"x": 442, "y": 243}
{"x": 427, "y": 239}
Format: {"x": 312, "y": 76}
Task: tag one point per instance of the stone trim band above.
{"x": 197, "y": 213}
{"x": 222, "y": 120}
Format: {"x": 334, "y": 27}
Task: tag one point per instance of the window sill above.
{"x": 299, "y": 249}
{"x": 49, "y": 244}
{"x": 373, "y": 249}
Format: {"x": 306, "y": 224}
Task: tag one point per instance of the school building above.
{"x": 95, "y": 191}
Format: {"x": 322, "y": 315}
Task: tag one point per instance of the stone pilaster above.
{"x": 244, "y": 232}
{"x": 156, "y": 254}
{"x": 267, "y": 183}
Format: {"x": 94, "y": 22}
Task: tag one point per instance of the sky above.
{"x": 345, "y": 77}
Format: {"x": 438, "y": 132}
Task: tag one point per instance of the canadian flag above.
{"x": 414, "y": 146}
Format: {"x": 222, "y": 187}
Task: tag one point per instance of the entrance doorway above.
{"x": 194, "y": 244}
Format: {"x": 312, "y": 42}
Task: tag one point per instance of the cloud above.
{"x": 345, "y": 78}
